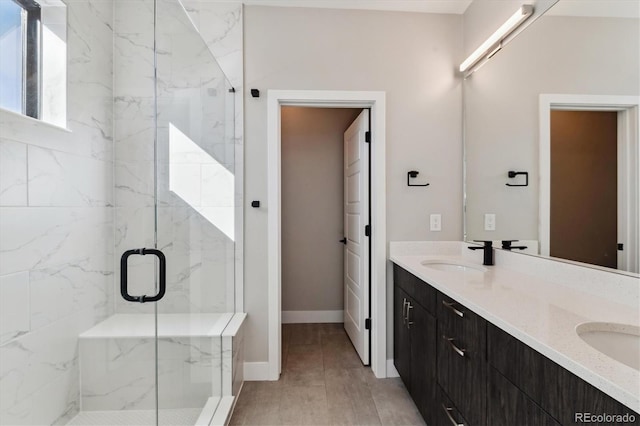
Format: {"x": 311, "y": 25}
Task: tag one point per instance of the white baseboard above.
{"x": 306, "y": 317}
{"x": 391, "y": 369}
{"x": 256, "y": 371}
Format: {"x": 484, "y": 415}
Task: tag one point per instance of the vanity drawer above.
{"x": 507, "y": 405}
{"x": 421, "y": 292}
{"x": 460, "y": 321}
{"x": 446, "y": 413}
{"x": 462, "y": 371}
{"x": 559, "y": 392}
{"x": 516, "y": 361}
{"x": 462, "y": 358}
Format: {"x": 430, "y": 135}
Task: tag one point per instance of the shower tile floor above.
{"x": 183, "y": 416}
{"x": 323, "y": 382}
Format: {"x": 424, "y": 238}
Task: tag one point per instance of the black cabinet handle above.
{"x": 162, "y": 275}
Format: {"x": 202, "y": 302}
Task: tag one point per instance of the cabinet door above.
{"x": 422, "y": 328}
{"x": 401, "y": 342}
{"x": 507, "y": 405}
{"x": 417, "y": 289}
{"x": 404, "y": 280}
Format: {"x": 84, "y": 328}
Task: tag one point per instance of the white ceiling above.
{"x": 425, "y": 6}
{"x": 604, "y": 8}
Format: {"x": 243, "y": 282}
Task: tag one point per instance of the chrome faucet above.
{"x": 488, "y": 251}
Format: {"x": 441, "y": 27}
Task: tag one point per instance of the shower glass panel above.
{"x": 195, "y": 211}
{"x": 174, "y": 173}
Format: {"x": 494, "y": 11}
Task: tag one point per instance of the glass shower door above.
{"x": 195, "y": 214}
{"x": 130, "y": 355}
{"x": 174, "y": 208}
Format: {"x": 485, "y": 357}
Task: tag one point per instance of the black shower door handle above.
{"x": 162, "y": 275}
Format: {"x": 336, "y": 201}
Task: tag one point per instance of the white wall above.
{"x": 410, "y": 56}
{"x": 557, "y": 54}
{"x": 56, "y": 230}
{"x": 313, "y": 207}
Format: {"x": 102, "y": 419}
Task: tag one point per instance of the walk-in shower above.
{"x": 130, "y": 295}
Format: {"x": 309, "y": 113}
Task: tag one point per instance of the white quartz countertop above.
{"x": 520, "y": 299}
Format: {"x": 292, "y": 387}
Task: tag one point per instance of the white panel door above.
{"x": 356, "y": 249}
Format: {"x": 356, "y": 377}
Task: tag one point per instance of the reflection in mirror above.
{"x": 560, "y": 102}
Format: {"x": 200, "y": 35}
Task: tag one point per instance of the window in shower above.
{"x": 20, "y": 35}
{"x": 33, "y": 59}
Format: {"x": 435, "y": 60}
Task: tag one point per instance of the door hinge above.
{"x": 367, "y": 137}
{"x": 620, "y": 246}
{"x": 367, "y": 324}
{"x": 367, "y": 230}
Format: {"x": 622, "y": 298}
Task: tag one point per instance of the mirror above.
{"x": 551, "y": 136}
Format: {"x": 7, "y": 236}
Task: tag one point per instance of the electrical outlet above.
{"x": 490, "y": 222}
{"x": 435, "y": 222}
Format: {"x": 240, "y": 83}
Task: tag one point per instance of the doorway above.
{"x": 584, "y": 186}
{"x": 314, "y": 236}
{"x": 375, "y": 102}
{"x": 627, "y": 118}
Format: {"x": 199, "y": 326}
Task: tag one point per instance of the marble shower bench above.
{"x": 200, "y": 356}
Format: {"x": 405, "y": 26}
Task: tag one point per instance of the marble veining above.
{"x": 195, "y": 224}
{"x": 60, "y": 179}
{"x": 57, "y": 228}
{"x": 13, "y": 173}
{"x": 75, "y": 195}
{"x": 14, "y": 305}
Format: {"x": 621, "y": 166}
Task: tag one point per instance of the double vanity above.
{"x": 527, "y": 341}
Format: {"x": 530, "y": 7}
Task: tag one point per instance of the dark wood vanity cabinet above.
{"x": 414, "y": 342}
{"x": 554, "y": 390}
{"x": 462, "y": 370}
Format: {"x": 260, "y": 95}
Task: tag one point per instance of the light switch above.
{"x": 489, "y": 222}
{"x": 435, "y": 222}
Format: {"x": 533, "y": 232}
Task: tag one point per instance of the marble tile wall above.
{"x": 119, "y": 373}
{"x": 233, "y": 356}
{"x": 56, "y": 227}
{"x": 68, "y": 196}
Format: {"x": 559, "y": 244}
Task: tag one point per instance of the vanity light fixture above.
{"x": 494, "y": 43}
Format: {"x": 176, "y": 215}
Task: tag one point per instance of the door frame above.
{"x": 327, "y": 99}
{"x": 628, "y": 108}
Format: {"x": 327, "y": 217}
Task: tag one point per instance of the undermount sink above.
{"x": 618, "y": 341}
{"x": 452, "y": 266}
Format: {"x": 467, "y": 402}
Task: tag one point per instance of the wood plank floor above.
{"x": 324, "y": 383}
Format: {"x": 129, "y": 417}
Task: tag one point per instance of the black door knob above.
{"x": 344, "y": 240}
